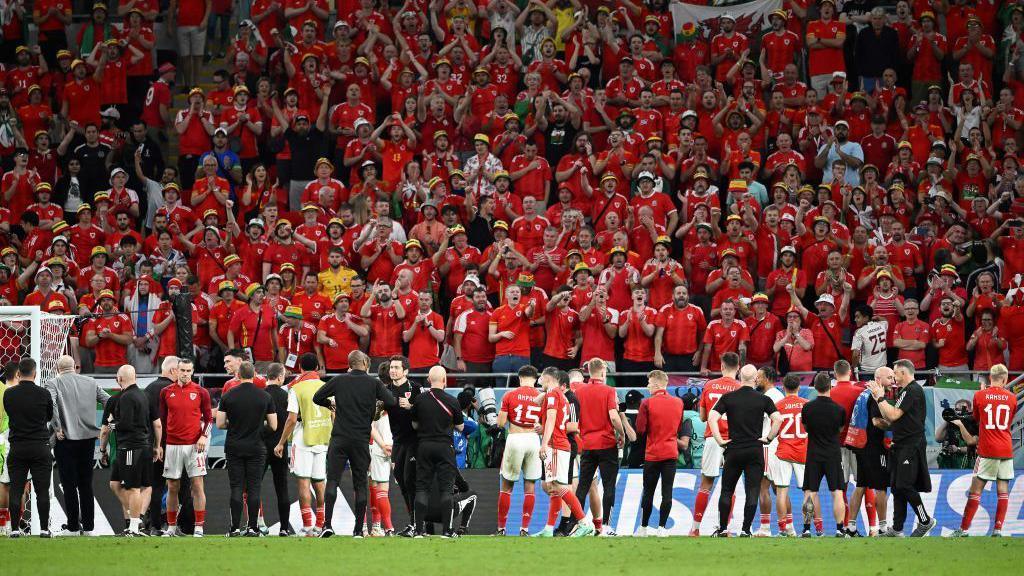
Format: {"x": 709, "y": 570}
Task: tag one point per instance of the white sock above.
{"x": 133, "y": 525}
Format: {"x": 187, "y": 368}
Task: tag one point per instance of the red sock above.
{"x": 172, "y": 517}
{"x": 766, "y": 519}
{"x": 384, "y": 507}
{"x": 1003, "y": 502}
{"x": 307, "y": 516}
{"x": 319, "y": 516}
{"x": 200, "y": 517}
{"x": 789, "y": 519}
{"x": 972, "y": 506}
{"x": 818, "y": 525}
{"x": 374, "y": 508}
{"x": 846, "y": 516}
{"x": 569, "y": 497}
{"x": 504, "y": 503}
{"x": 869, "y": 507}
{"x": 528, "y": 502}
{"x": 5, "y": 516}
{"x": 700, "y": 505}
{"x": 554, "y": 510}
{"x": 598, "y": 522}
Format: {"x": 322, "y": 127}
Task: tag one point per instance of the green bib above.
{"x": 316, "y": 420}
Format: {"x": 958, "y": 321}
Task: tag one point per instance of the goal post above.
{"x": 28, "y": 331}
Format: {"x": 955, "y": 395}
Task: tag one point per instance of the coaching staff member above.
{"x": 909, "y": 468}
{"x": 745, "y": 408}
{"x": 242, "y": 412}
{"x": 403, "y": 452}
{"x": 29, "y": 410}
{"x": 602, "y": 434}
{"x": 138, "y": 445}
{"x": 75, "y": 397}
{"x": 354, "y": 398}
{"x": 873, "y": 459}
{"x": 823, "y": 419}
{"x": 168, "y": 376}
{"x": 661, "y": 419}
{"x": 436, "y": 414}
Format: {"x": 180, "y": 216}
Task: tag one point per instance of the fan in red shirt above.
{"x": 339, "y": 333}
{"x": 994, "y": 409}
{"x": 473, "y": 350}
{"x": 110, "y": 334}
{"x": 714, "y": 454}
{"x": 725, "y": 334}
{"x": 948, "y": 335}
{"x": 424, "y": 332}
{"x": 563, "y": 338}
{"x": 254, "y": 327}
{"x": 661, "y": 418}
{"x": 509, "y": 331}
{"x": 679, "y": 334}
{"x": 637, "y": 326}
{"x": 295, "y": 337}
{"x": 385, "y": 316}
{"x": 826, "y": 326}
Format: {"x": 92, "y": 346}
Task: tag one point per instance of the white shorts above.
{"x": 5, "y": 478}
{"x": 714, "y": 457}
{"x": 522, "y": 457}
{"x": 183, "y": 458}
{"x": 191, "y": 40}
{"x": 309, "y": 462}
{"x": 992, "y": 469}
{"x": 557, "y": 468}
{"x": 781, "y": 472}
{"x": 849, "y": 464}
{"x": 770, "y": 459}
{"x": 380, "y": 467}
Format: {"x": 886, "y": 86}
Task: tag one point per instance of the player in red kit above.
{"x": 790, "y": 455}
{"x": 714, "y": 454}
{"x": 661, "y": 419}
{"x": 555, "y": 452}
{"x": 994, "y": 409}
{"x": 520, "y": 410}
{"x": 186, "y": 414}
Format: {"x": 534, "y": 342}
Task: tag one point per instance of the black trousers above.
{"x": 74, "y": 467}
{"x": 665, "y": 471}
{"x": 34, "y": 458}
{"x": 404, "y": 456}
{"x": 435, "y": 461}
{"x": 750, "y": 463}
{"x": 634, "y": 366}
{"x": 279, "y": 471}
{"x": 355, "y": 453}
{"x": 607, "y": 461}
{"x": 245, "y": 475}
{"x": 154, "y": 518}
{"x": 680, "y": 363}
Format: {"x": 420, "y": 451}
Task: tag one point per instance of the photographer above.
{"x": 957, "y": 425}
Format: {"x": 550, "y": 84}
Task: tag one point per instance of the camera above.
{"x": 951, "y": 414}
{"x": 486, "y": 407}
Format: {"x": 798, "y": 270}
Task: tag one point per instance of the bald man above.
{"x": 872, "y": 461}
{"x": 745, "y": 409}
{"x": 136, "y": 448}
{"x": 435, "y": 415}
{"x": 74, "y": 422}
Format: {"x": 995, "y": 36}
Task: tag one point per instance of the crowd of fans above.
{"x": 486, "y": 184}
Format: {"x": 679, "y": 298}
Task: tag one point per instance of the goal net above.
{"x": 28, "y": 331}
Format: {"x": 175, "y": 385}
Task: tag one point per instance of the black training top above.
{"x": 823, "y": 419}
{"x": 908, "y": 430}
{"x": 355, "y": 396}
{"x": 131, "y": 413}
{"x": 246, "y": 407}
{"x": 436, "y": 414}
{"x": 280, "y": 398}
{"x": 745, "y": 408}
{"x": 401, "y": 420}
{"x": 153, "y": 394}
{"x": 29, "y": 410}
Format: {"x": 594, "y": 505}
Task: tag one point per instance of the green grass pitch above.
{"x": 486, "y": 555}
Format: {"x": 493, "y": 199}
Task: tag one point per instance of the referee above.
{"x": 435, "y": 415}
{"x": 354, "y": 398}
{"x": 133, "y": 467}
{"x": 745, "y": 408}
{"x": 823, "y": 419}
{"x": 909, "y": 463}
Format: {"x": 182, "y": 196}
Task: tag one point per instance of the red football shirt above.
{"x": 473, "y": 326}
{"x": 792, "y": 435}
{"x": 721, "y": 339}
{"x": 336, "y": 357}
{"x": 556, "y": 400}
{"x": 713, "y": 390}
{"x": 514, "y": 320}
{"x": 596, "y": 400}
{"x": 521, "y": 407}
{"x": 994, "y": 409}
{"x": 185, "y": 412}
{"x": 683, "y": 328}
{"x": 661, "y": 418}
{"x": 423, "y": 348}
{"x": 108, "y": 352}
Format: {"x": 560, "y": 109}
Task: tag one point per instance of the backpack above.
{"x": 696, "y": 451}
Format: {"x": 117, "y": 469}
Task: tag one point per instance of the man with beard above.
{"x": 906, "y": 419}
{"x": 839, "y": 148}
{"x": 110, "y": 333}
{"x": 339, "y": 333}
{"x": 678, "y": 335}
{"x": 385, "y": 316}
{"x": 404, "y": 436}
{"x": 509, "y": 331}
{"x": 252, "y": 328}
{"x": 948, "y": 335}
{"x": 285, "y": 248}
